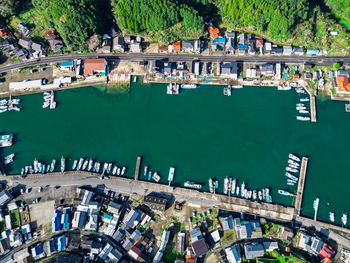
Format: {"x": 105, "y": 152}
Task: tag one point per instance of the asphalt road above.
{"x": 319, "y": 60}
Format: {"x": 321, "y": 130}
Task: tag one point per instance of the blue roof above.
{"x": 331, "y": 74}
{"x": 219, "y": 41}
{"x": 67, "y": 63}
{"x": 313, "y": 51}
{"x": 285, "y": 75}
{"x": 241, "y": 46}
{"x": 60, "y": 243}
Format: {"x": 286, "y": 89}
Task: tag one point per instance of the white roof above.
{"x": 215, "y": 235}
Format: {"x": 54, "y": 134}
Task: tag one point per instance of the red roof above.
{"x": 92, "y": 65}
{"x": 177, "y": 46}
{"x": 51, "y": 33}
{"x": 214, "y": 32}
{"x": 5, "y": 33}
{"x": 259, "y": 42}
{"x": 343, "y": 84}
{"x": 326, "y": 251}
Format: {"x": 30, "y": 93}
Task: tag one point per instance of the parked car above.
{"x": 40, "y": 189}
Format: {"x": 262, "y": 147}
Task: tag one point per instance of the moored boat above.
{"x": 149, "y": 175}
{"x": 233, "y": 187}
{"x": 145, "y": 171}
{"x": 290, "y": 176}
{"x": 331, "y": 217}
{"x": 290, "y": 161}
{"x": 114, "y": 171}
{"x": 193, "y": 185}
{"x": 242, "y": 189}
{"x": 86, "y": 162}
{"x": 156, "y": 177}
{"x": 225, "y": 185}
{"x": 91, "y": 162}
{"x": 63, "y": 164}
{"x": 260, "y": 195}
{"x": 294, "y": 157}
{"x": 254, "y": 194}
{"x": 80, "y": 163}
{"x": 109, "y": 167}
{"x": 52, "y": 166}
{"x": 98, "y": 165}
{"x": 118, "y": 171}
{"x": 237, "y": 190}
{"x": 75, "y": 163}
{"x": 344, "y": 219}
{"x": 123, "y": 170}
{"x": 293, "y": 170}
{"x": 9, "y": 158}
{"x": 211, "y": 186}
{"x": 303, "y": 118}
{"x": 283, "y": 192}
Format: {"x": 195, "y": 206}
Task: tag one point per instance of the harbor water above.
{"x": 202, "y": 133}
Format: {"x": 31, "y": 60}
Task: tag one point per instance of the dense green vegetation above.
{"x": 136, "y": 16}
{"x": 8, "y": 8}
{"x": 75, "y": 20}
{"x": 340, "y": 7}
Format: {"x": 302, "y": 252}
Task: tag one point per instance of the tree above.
{"x": 191, "y": 20}
{"x": 275, "y": 254}
{"x": 8, "y": 8}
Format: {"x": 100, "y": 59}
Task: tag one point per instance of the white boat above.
{"x": 90, "y": 165}
{"x": 105, "y": 166}
{"x": 254, "y": 195}
{"x": 304, "y": 112}
{"x": 292, "y": 170}
{"x": 5, "y": 143}
{"x": 123, "y": 170}
{"x": 293, "y": 166}
{"x": 16, "y": 108}
{"x": 291, "y": 181}
{"x": 109, "y": 167}
{"x": 16, "y": 101}
{"x": 9, "y": 158}
{"x": 31, "y": 170}
{"x": 291, "y": 184}
{"x": 303, "y": 118}
{"x": 114, "y": 171}
{"x": 300, "y": 105}
{"x": 294, "y": 157}
{"x": 304, "y": 99}
{"x": 145, "y": 171}
{"x": 190, "y": 184}
{"x": 156, "y": 177}
{"x": 188, "y": 86}
{"x": 263, "y": 194}
{"x": 118, "y": 171}
{"x": 300, "y": 108}
{"x": 80, "y": 163}
{"x": 292, "y": 177}
{"x": 36, "y": 168}
{"x": 3, "y": 110}
{"x": 227, "y": 90}
{"x": 233, "y": 186}
{"x": 63, "y": 164}
{"x": 225, "y": 185}
{"x": 86, "y": 162}
{"x": 98, "y": 165}
{"x": 249, "y": 194}
{"x": 237, "y": 190}
{"x": 75, "y": 163}
{"x": 211, "y": 187}
{"x": 293, "y": 162}
{"x": 331, "y": 216}
{"x": 52, "y": 166}
{"x": 283, "y": 192}
{"x": 242, "y": 189}
{"x": 229, "y": 186}
{"x": 344, "y": 219}
{"x": 260, "y": 196}
{"x": 171, "y": 174}
{"x": 3, "y": 102}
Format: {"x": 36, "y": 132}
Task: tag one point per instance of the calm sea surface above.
{"x": 204, "y": 134}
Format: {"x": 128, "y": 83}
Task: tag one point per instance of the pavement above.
{"x": 319, "y": 60}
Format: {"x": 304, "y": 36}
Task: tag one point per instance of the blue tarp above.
{"x": 313, "y": 51}
{"x": 67, "y": 63}
{"x": 219, "y": 41}
{"x": 331, "y": 74}
{"x": 285, "y": 75}
{"x": 60, "y": 243}
{"x": 56, "y": 222}
{"x": 241, "y": 46}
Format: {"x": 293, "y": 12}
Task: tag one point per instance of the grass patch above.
{"x": 15, "y": 218}
{"x": 229, "y": 237}
{"x": 334, "y": 92}
{"x": 2, "y": 226}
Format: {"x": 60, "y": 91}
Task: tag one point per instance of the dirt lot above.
{"x": 41, "y": 213}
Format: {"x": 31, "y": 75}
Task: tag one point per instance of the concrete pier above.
{"x": 313, "y": 108}
{"x": 137, "y": 169}
{"x": 301, "y": 184}
{"x": 10, "y": 105}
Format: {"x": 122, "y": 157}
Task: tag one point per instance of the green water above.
{"x": 201, "y": 132}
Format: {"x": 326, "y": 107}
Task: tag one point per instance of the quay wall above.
{"x": 273, "y": 211}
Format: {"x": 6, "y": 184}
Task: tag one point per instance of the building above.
{"x": 135, "y": 48}
{"x": 39, "y": 49}
{"x": 187, "y": 46}
{"x": 131, "y": 219}
{"x": 300, "y": 51}
{"x": 181, "y": 242}
{"x": 268, "y": 47}
{"x": 270, "y": 246}
{"x": 220, "y": 41}
{"x": 226, "y": 223}
{"x": 167, "y": 68}
{"x": 313, "y": 51}
{"x": 114, "y": 208}
{"x": 155, "y": 203}
{"x": 21, "y": 255}
{"x": 5, "y": 197}
{"x": 343, "y": 84}
{"x": 190, "y": 257}
{"x": 38, "y": 252}
{"x": 230, "y": 46}
{"x": 56, "y": 45}
{"x": 233, "y": 254}
{"x": 213, "y": 32}
{"x": 23, "y": 28}
{"x": 153, "y": 68}
{"x": 287, "y": 50}
{"x": 304, "y": 241}
{"x": 215, "y": 235}
{"x": 198, "y": 244}
{"x": 177, "y": 46}
{"x": 106, "y": 45}
{"x": 49, "y": 247}
{"x": 5, "y": 33}
{"x": 25, "y": 43}
{"x": 326, "y": 251}
{"x": 196, "y": 68}
{"x": 67, "y": 65}
{"x": 267, "y": 70}
{"x": 230, "y": 70}
{"x": 4, "y": 245}
{"x": 254, "y": 250}
{"x": 110, "y": 254}
{"x": 316, "y": 245}
{"x": 197, "y": 46}
{"x": 94, "y": 66}
{"x": 119, "y": 44}
{"x": 277, "y": 51}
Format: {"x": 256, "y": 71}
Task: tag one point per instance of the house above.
{"x": 198, "y": 243}
{"x": 187, "y": 46}
{"x": 162, "y": 247}
{"x": 38, "y": 252}
{"x": 110, "y": 254}
{"x": 259, "y": 43}
{"x": 220, "y": 41}
{"x": 51, "y": 34}
{"x": 267, "y": 70}
{"x": 268, "y": 47}
{"x": 342, "y": 73}
{"x": 4, "y": 45}
{"x": 287, "y": 50}
{"x": 213, "y": 32}
{"x": 254, "y": 250}
{"x": 39, "y": 48}
{"x": 163, "y": 49}
{"x": 215, "y": 235}
{"x": 21, "y": 255}
{"x": 190, "y": 257}
{"x": 242, "y": 44}
{"x": 5, "y": 33}
{"x": 233, "y": 254}
{"x": 155, "y": 203}
{"x": 67, "y": 65}
{"x": 255, "y": 229}
{"x": 94, "y": 66}
{"x": 127, "y": 40}
{"x": 197, "y": 46}
{"x": 25, "y": 43}
{"x": 226, "y": 223}
{"x": 316, "y": 245}
{"x": 270, "y": 246}
{"x": 230, "y": 46}
{"x": 177, "y": 46}
{"x": 49, "y": 247}
{"x": 79, "y": 219}
{"x": 304, "y": 241}
{"x": 300, "y": 51}
{"x": 167, "y": 68}
{"x": 251, "y": 47}
{"x": 4, "y": 245}
{"x": 181, "y": 242}
{"x": 153, "y": 68}
{"x": 119, "y": 44}
{"x": 277, "y": 51}
{"x": 114, "y": 207}
{"x": 134, "y": 252}
{"x": 196, "y": 68}
{"x": 326, "y": 251}
{"x": 230, "y": 70}
{"x": 5, "y": 197}
{"x": 23, "y": 28}
{"x": 343, "y": 84}
{"x": 56, "y": 45}
{"x": 135, "y": 48}
{"x": 307, "y": 76}
{"x": 106, "y": 46}
{"x": 131, "y": 219}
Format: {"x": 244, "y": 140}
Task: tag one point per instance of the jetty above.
{"x": 52, "y": 100}
{"x": 313, "y": 108}
{"x": 10, "y": 104}
{"x": 137, "y": 169}
{"x": 301, "y": 185}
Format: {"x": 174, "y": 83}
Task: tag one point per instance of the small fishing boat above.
{"x": 114, "y": 171}
{"x": 156, "y": 177}
{"x": 123, "y": 170}
{"x": 293, "y": 170}
{"x": 52, "y": 166}
{"x": 75, "y": 163}
{"x": 98, "y": 165}
{"x": 63, "y": 164}
{"x": 145, "y": 171}
{"x": 260, "y": 196}
{"x": 331, "y": 217}
{"x": 91, "y": 162}
{"x": 118, "y": 171}
{"x": 80, "y": 163}
{"x": 86, "y": 162}
{"x": 294, "y": 157}
{"x": 9, "y": 158}
{"x": 109, "y": 167}
{"x": 149, "y": 175}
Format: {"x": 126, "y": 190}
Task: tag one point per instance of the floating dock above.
{"x": 313, "y": 108}
{"x": 301, "y": 184}
{"x": 10, "y": 105}
{"x": 137, "y": 169}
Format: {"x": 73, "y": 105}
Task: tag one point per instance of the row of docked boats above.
{"x": 151, "y": 175}
{"x": 41, "y": 167}
{"x": 173, "y": 88}
{"x": 292, "y": 168}
{"x": 6, "y": 140}
{"x": 301, "y": 107}
{"x": 344, "y": 218}
{"x": 91, "y": 166}
{"x": 10, "y": 104}
{"x": 300, "y": 90}
{"x": 49, "y": 100}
